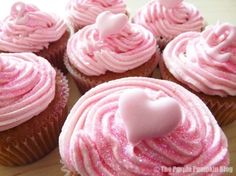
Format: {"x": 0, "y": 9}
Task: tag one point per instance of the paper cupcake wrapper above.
{"x": 55, "y": 52}
{"x": 224, "y": 111}
{"x": 223, "y": 108}
{"x": 84, "y": 82}
{"x": 38, "y": 136}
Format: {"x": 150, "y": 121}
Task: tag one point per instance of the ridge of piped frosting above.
{"x": 206, "y": 61}
{"x": 27, "y": 87}
{"x": 170, "y": 19}
{"x": 85, "y": 12}
{"x": 27, "y": 29}
{"x": 126, "y": 47}
{"x": 94, "y": 141}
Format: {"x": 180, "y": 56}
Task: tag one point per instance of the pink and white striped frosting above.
{"x": 93, "y": 140}
{"x": 84, "y": 12}
{"x": 206, "y": 61}
{"x": 29, "y": 29}
{"x": 27, "y": 86}
{"x": 123, "y": 49}
{"x": 168, "y": 22}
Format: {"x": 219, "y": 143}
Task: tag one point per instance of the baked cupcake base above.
{"x": 84, "y": 82}
{"x": 223, "y": 108}
{"x": 38, "y": 136}
{"x": 55, "y": 52}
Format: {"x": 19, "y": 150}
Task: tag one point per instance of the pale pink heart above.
{"x": 108, "y": 23}
{"x": 146, "y": 118}
{"x": 170, "y": 3}
{"x": 18, "y": 9}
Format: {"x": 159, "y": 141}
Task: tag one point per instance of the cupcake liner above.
{"x": 84, "y": 82}
{"x": 38, "y": 136}
{"x": 55, "y": 52}
{"x": 223, "y": 108}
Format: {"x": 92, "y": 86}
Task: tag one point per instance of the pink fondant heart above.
{"x": 170, "y": 3}
{"x": 147, "y": 118}
{"x": 108, "y": 23}
{"x": 18, "y": 9}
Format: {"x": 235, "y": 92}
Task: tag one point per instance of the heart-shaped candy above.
{"x": 108, "y": 23}
{"x": 146, "y": 118}
{"x": 170, "y": 3}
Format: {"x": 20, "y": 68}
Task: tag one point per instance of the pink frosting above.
{"x": 84, "y": 12}
{"x": 93, "y": 140}
{"x": 168, "y": 18}
{"x": 115, "y": 23}
{"x": 206, "y": 61}
{"x": 27, "y": 86}
{"x": 29, "y": 29}
{"x": 135, "y": 105}
{"x": 126, "y": 47}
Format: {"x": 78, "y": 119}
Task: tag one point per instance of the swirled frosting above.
{"x": 29, "y": 29}
{"x": 93, "y": 140}
{"x": 84, "y": 12}
{"x": 27, "y": 86}
{"x": 126, "y": 47}
{"x": 167, "y": 20}
{"x": 206, "y": 61}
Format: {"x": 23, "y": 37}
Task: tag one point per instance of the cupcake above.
{"x": 168, "y": 18}
{"x": 205, "y": 63}
{"x": 102, "y": 52}
{"x": 141, "y": 126}
{"x": 27, "y": 29}
{"x": 81, "y": 13}
{"x": 33, "y": 107}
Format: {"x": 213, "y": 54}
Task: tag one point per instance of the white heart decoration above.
{"x": 18, "y": 9}
{"x": 145, "y": 118}
{"x": 170, "y": 3}
{"x": 108, "y": 23}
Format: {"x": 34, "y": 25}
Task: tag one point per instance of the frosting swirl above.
{"x": 84, "y": 12}
{"x": 27, "y": 86}
{"x": 206, "y": 61}
{"x": 93, "y": 140}
{"x": 29, "y": 29}
{"x": 123, "y": 49}
{"x": 166, "y": 22}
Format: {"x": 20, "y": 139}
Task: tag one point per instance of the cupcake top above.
{"x": 29, "y": 29}
{"x": 115, "y": 46}
{"x": 84, "y": 12}
{"x": 136, "y": 126}
{"x": 168, "y": 18}
{"x": 27, "y": 86}
{"x": 205, "y": 61}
